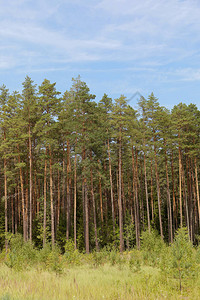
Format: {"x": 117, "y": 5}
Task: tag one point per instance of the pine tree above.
{"x": 48, "y": 103}
{"x": 29, "y": 113}
{"x": 118, "y": 117}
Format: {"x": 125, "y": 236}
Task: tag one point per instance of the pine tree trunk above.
{"x": 13, "y": 215}
{"x": 19, "y": 204}
{"x": 146, "y": 191}
{"x": 86, "y": 218}
{"x": 85, "y": 205}
{"x": 123, "y": 197}
{"x": 152, "y": 204}
{"x": 16, "y": 205}
{"x": 51, "y": 199}
{"x": 45, "y": 201}
{"x": 180, "y": 186}
{"x": 185, "y": 201}
{"x": 75, "y": 204}
{"x": 141, "y": 189}
{"x": 36, "y": 197}
{"x": 6, "y": 204}
{"x": 25, "y": 235}
{"x": 63, "y": 183}
{"x": 137, "y": 194}
{"x": 173, "y": 193}
{"x": 120, "y": 196}
{"x": 130, "y": 200}
{"x": 111, "y": 189}
{"x": 101, "y": 200}
{"x": 194, "y": 201}
{"x": 170, "y": 226}
{"x": 94, "y": 208}
{"x": 136, "y": 205}
{"x": 189, "y": 191}
{"x": 68, "y": 190}
{"x": 197, "y": 187}
{"x": 105, "y": 197}
{"x": 31, "y": 184}
{"x": 158, "y": 191}
{"x": 58, "y": 205}
{"x": 26, "y": 205}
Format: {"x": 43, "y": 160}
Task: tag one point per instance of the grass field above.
{"x": 156, "y": 271}
{"x": 87, "y": 282}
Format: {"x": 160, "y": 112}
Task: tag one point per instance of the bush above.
{"x": 54, "y": 261}
{"x": 151, "y": 246}
{"x": 20, "y": 254}
{"x": 114, "y": 257}
{"x": 72, "y": 256}
{"x": 51, "y": 259}
{"x": 135, "y": 261}
{"x": 6, "y": 297}
{"x": 43, "y": 255}
{"x": 180, "y": 260}
{"x": 99, "y": 258}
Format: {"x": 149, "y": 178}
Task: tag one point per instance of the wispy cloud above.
{"x": 139, "y": 43}
{"x": 187, "y": 74}
{"x": 128, "y": 30}
{"x": 173, "y": 25}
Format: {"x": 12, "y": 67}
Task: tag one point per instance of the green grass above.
{"x": 151, "y": 273}
{"x": 86, "y": 282}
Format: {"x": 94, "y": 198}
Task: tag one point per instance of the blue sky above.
{"x": 117, "y": 46}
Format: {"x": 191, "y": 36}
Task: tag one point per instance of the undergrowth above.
{"x": 173, "y": 267}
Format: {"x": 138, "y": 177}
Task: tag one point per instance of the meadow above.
{"x": 104, "y": 282}
{"x": 157, "y": 271}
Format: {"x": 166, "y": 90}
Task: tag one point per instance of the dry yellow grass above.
{"x": 85, "y": 282}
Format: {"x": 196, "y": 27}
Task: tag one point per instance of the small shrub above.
{"x": 98, "y": 258}
{"x": 54, "y": 261}
{"x": 50, "y": 259}
{"x": 43, "y": 255}
{"x": 6, "y": 297}
{"x": 180, "y": 262}
{"x": 71, "y": 255}
{"x": 120, "y": 261}
{"x": 135, "y": 261}
{"x": 151, "y": 246}
{"x": 21, "y": 254}
{"x": 113, "y": 257}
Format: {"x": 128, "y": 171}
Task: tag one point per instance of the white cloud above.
{"x": 7, "y": 62}
{"x": 187, "y": 74}
{"x": 39, "y": 35}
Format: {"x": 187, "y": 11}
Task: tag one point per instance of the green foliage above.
{"x": 39, "y": 130}
{"x": 72, "y": 256}
{"x": 155, "y": 265}
{"x": 180, "y": 259}
{"x": 21, "y": 255}
{"x": 129, "y": 233}
{"x": 54, "y": 261}
{"x": 43, "y": 254}
{"x": 6, "y": 297}
{"x": 2, "y": 228}
{"x": 151, "y": 246}
{"x": 113, "y": 257}
{"x": 99, "y": 258}
{"x": 38, "y": 228}
{"x": 50, "y": 259}
{"x": 135, "y": 260}
{"x": 69, "y": 246}
{"x": 116, "y": 258}
{"x": 198, "y": 255}
{"x": 108, "y": 254}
